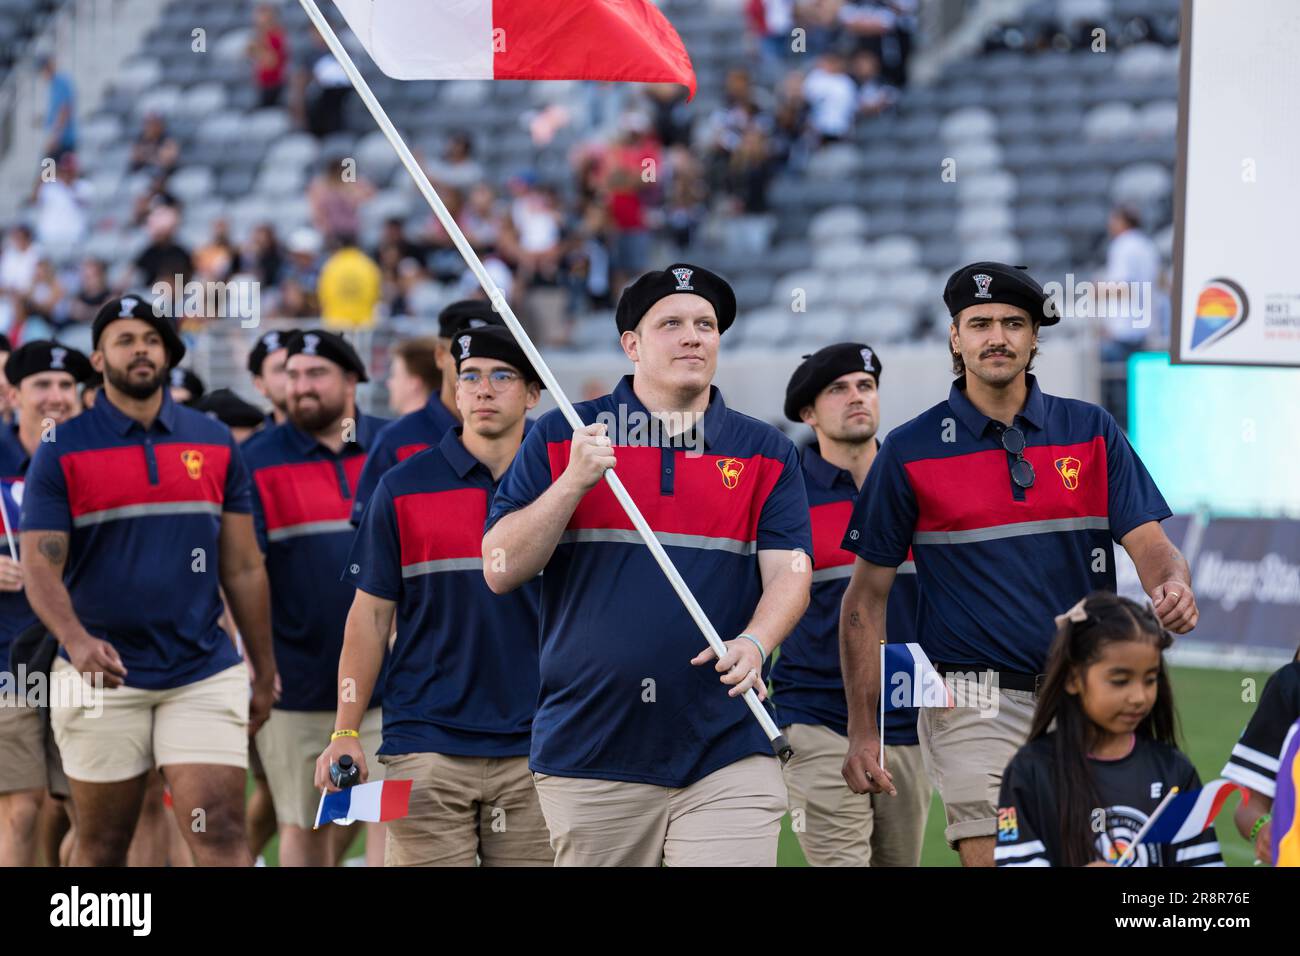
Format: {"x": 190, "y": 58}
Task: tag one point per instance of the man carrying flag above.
{"x": 418, "y": 430}
{"x": 462, "y": 676}
{"x": 836, "y": 393}
{"x": 303, "y": 475}
{"x": 43, "y": 379}
{"x": 639, "y": 756}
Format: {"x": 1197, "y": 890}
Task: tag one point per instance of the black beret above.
{"x": 638, "y": 297}
{"x": 138, "y": 307}
{"x": 983, "y": 282}
{"x": 327, "y": 345}
{"x": 493, "y": 342}
{"x": 41, "y": 355}
{"x": 229, "y": 409}
{"x": 4, "y": 343}
{"x": 823, "y": 367}
{"x": 187, "y": 379}
{"x": 267, "y": 343}
{"x": 467, "y": 313}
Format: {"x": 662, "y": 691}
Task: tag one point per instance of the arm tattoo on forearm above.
{"x": 55, "y": 548}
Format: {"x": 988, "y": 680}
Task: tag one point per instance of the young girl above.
{"x": 1101, "y": 753}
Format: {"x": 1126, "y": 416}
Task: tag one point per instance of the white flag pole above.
{"x": 1137, "y": 837}
{"x": 881, "y": 728}
{"x": 502, "y": 307}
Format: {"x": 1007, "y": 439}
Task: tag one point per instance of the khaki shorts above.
{"x": 117, "y": 734}
{"x": 966, "y": 750}
{"x": 732, "y": 817}
{"x": 837, "y": 827}
{"x": 22, "y": 746}
{"x": 467, "y": 807}
{"x": 289, "y": 743}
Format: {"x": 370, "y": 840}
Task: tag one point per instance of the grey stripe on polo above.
{"x": 632, "y": 536}
{"x": 442, "y": 564}
{"x": 1011, "y": 530}
{"x": 832, "y": 574}
{"x": 309, "y": 527}
{"x": 147, "y": 510}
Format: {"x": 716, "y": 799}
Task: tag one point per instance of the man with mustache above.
{"x": 133, "y": 519}
{"x": 1011, "y": 500}
{"x": 304, "y": 475}
{"x": 43, "y": 393}
{"x": 639, "y": 756}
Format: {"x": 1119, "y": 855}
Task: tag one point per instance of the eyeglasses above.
{"x": 500, "y": 379}
{"x": 1022, "y": 472}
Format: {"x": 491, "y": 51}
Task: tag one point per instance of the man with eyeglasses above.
{"x": 462, "y": 676}
{"x": 1010, "y": 499}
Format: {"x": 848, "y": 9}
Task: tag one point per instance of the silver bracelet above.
{"x": 757, "y": 644}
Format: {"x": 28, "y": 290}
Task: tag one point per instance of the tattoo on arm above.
{"x": 855, "y": 619}
{"x": 55, "y": 548}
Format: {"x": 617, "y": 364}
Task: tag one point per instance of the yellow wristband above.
{"x": 343, "y": 733}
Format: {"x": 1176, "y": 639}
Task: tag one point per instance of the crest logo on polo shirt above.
{"x": 464, "y": 341}
{"x": 1069, "y": 469}
{"x": 310, "y": 343}
{"x": 56, "y": 358}
{"x": 683, "y": 277}
{"x": 731, "y": 469}
{"x": 982, "y": 281}
{"x": 192, "y": 458}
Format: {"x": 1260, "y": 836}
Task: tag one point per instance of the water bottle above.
{"x": 345, "y": 773}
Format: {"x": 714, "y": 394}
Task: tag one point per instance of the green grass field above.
{"x": 1212, "y": 715}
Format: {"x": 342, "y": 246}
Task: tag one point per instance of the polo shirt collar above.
{"x": 306, "y": 444}
{"x": 713, "y": 424}
{"x": 976, "y": 421}
{"x": 121, "y": 423}
{"x": 438, "y": 413}
{"x": 458, "y": 456}
{"x": 823, "y": 472}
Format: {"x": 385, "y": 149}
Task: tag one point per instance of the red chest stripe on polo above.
{"x": 968, "y": 497}
{"x": 304, "y": 497}
{"x": 406, "y": 451}
{"x": 716, "y": 501}
{"x": 829, "y": 522}
{"x": 106, "y": 484}
{"x": 441, "y": 530}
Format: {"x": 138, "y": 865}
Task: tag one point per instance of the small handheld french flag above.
{"x": 908, "y": 679}
{"x": 373, "y": 802}
{"x": 1186, "y": 815}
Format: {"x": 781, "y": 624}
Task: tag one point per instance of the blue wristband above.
{"x": 762, "y": 653}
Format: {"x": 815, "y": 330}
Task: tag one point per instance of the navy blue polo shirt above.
{"x": 620, "y": 699}
{"x": 16, "y": 615}
{"x": 996, "y": 562}
{"x": 302, "y": 498}
{"x": 462, "y": 673}
{"x": 398, "y": 441}
{"x": 143, "y": 509}
{"x": 807, "y": 682}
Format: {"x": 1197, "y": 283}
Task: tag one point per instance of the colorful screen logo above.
{"x": 1221, "y": 308}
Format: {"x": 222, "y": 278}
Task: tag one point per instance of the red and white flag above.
{"x": 627, "y": 40}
